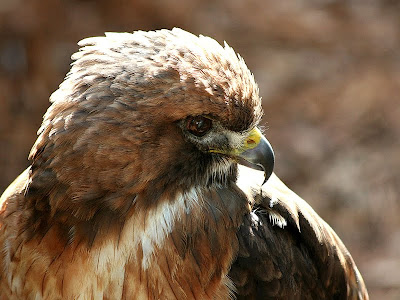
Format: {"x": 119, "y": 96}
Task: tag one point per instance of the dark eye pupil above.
{"x": 198, "y": 125}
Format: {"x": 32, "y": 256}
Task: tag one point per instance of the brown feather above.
{"x": 302, "y": 258}
{"x": 119, "y": 203}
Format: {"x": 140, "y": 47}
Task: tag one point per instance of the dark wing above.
{"x": 288, "y": 252}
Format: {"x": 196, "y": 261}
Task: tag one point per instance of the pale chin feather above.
{"x": 219, "y": 171}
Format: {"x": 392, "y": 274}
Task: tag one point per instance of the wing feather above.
{"x": 286, "y": 251}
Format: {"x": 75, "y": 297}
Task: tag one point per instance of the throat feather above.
{"x": 188, "y": 253}
{"x": 160, "y": 221}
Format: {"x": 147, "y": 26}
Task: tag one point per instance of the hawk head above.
{"x": 149, "y": 113}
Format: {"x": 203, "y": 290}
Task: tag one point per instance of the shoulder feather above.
{"x": 287, "y": 251}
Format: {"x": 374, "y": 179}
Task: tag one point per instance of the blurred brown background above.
{"x": 329, "y": 75}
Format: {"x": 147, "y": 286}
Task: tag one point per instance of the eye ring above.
{"x": 198, "y": 125}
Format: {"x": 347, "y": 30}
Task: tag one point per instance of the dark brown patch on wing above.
{"x": 302, "y": 260}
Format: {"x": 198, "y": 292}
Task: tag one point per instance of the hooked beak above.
{"x": 255, "y": 152}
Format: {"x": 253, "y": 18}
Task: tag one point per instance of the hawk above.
{"x": 147, "y": 181}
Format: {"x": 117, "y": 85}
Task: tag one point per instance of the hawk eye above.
{"x": 198, "y": 125}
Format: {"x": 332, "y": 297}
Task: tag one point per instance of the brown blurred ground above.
{"x": 328, "y": 71}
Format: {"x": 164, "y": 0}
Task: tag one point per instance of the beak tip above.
{"x": 261, "y": 157}
{"x": 268, "y": 173}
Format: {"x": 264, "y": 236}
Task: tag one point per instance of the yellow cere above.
{"x": 252, "y": 140}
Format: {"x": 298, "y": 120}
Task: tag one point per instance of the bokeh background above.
{"x": 328, "y": 72}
